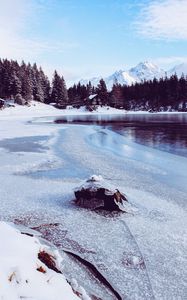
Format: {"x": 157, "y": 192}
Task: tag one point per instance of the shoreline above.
{"x": 37, "y": 109}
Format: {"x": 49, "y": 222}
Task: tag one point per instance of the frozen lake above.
{"x": 167, "y": 132}
{"x": 141, "y": 254}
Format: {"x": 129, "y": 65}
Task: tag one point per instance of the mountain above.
{"x": 146, "y": 71}
{"x": 143, "y": 71}
{"x": 179, "y": 70}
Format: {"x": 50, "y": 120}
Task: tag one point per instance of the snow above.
{"x": 96, "y": 178}
{"x": 92, "y": 96}
{"x": 33, "y": 110}
{"x": 179, "y": 70}
{"x": 146, "y": 71}
{"x": 143, "y": 71}
{"x": 95, "y": 182}
{"x": 142, "y": 253}
{"x": 37, "y": 109}
{"x": 121, "y": 77}
{"x": 19, "y": 277}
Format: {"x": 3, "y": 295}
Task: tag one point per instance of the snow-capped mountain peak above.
{"x": 143, "y": 71}
{"x": 121, "y": 77}
{"x": 146, "y": 71}
{"x": 145, "y": 66}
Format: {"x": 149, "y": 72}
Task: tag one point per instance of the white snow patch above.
{"x": 92, "y": 96}
{"x": 95, "y": 182}
{"x": 19, "y": 277}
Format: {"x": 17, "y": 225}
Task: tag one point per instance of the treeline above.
{"x": 24, "y": 82}
{"x": 79, "y": 93}
{"x": 156, "y": 95}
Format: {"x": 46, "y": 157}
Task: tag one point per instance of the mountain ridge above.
{"x": 142, "y": 71}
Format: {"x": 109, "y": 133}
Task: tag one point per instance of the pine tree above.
{"x": 116, "y": 96}
{"x": 64, "y": 91}
{"x": 89, "y": 89}
{"x": 14, "y": 84}
{"x": 182, "y": 93}
{"x": 59, "y": 93}
{"x": 45, "y": 86}
{"x": 102, "y": 92}
{"x": 26, "y": 81}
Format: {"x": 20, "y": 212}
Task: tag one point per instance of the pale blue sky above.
{"x": 82, "y": 38}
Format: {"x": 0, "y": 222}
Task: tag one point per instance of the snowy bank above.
{"x": 38, "y": 109}
{"x": 23, "y": 275}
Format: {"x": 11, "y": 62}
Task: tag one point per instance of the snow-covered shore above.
{"x": 24, "y": 275}
{"x": 37, "y": 109}
{"x": 37, "y": 185}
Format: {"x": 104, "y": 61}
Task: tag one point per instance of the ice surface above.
{"x": 142, "y": 253}
{"x": 25, "y": 144}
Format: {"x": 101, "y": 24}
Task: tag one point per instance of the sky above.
{"x": 83, "y": 38}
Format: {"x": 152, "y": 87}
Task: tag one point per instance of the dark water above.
{"x": 166, "y": 132}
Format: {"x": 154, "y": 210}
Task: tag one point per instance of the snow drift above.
{"x": 25, "y": 275}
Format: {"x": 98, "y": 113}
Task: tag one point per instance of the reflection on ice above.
{"x": 168, "y": 167}
{"x": 166, "y": 132}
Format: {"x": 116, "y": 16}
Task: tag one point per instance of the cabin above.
{"x": 93, "y": 101}
{"x": 96, "y": 193}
